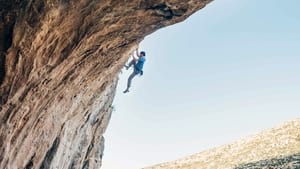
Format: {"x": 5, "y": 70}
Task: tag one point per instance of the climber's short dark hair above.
{"x": 143, "y": 53}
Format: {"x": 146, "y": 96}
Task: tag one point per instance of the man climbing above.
{"x": 138, "y": 64}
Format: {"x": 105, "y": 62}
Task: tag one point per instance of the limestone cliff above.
{"x": 59, "y": 61}
{"x": 277, "y": 148}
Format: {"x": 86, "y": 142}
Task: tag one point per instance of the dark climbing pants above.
{"x": 133, "y": 74}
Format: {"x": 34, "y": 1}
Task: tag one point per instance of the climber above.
{"x": 138, "y": 64}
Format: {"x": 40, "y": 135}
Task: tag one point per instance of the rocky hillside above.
{"x": 277, "y": 148}
{"x": 59, "y": 61}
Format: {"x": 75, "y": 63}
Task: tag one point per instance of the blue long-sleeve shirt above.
{"x": 140, "y": 64}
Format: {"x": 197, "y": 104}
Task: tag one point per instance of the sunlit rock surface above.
{"x": 59, "y": 61}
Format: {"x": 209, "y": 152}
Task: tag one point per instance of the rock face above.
{"x": 59, "y": 61}
{"x": 277, "y": 148}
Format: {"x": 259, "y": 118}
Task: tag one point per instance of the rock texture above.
{"x": 59, "y": 61}
{"x": 277, "y": 148}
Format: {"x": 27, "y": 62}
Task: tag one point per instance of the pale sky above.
{"x": 228, "y": 71}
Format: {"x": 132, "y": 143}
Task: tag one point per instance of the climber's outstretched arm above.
{"x": 137, "y": 52}
{"x": 135, "y": 58}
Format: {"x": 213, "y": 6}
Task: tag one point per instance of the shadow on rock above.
{"x": 286, "y": 162}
